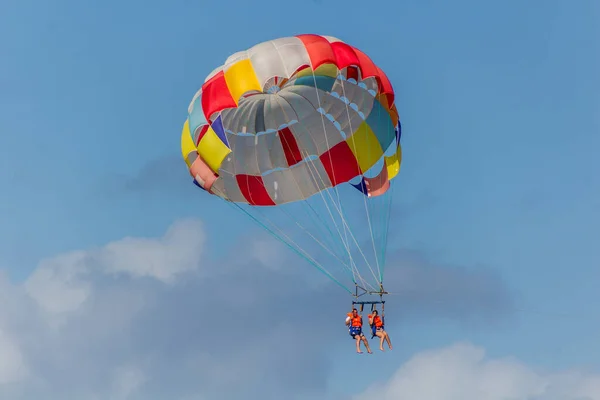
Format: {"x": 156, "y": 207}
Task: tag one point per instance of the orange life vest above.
{"x": 356, "y": 321}
{"x": 377, "y": 321}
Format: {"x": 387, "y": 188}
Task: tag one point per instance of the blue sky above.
{"x": 500, "y": 103}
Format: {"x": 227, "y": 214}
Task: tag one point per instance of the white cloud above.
{"x": 200, "y": 329}
{"x": 268, "y": 252}
{"x": 105, "y": 319}
{"x": 62, "y": 284}
{"x": 177, "y": 252}
{"x": 462, "y": 372}
{"x": 56, "y": 285}
{"x": 127, "y": 380}
{"x": 12, "y": 364}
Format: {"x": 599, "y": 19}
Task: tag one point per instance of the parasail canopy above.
{"x": 295, "y": 122}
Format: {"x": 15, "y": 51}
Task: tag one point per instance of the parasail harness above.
{"x": 373, "y": 303}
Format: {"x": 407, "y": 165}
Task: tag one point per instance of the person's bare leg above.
{"x": 381, "y": 337}
{"x": 358, "y": 345}
{"x": 387, "y": 339}
{"x": 364, "y": 338}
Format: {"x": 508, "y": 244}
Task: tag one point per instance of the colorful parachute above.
{"x": 294, "y": 121}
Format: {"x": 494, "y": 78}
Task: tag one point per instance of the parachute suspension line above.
{"x": 291, "y": 245}
{"x": 377, "y": 220}
{"x": 314, "y": 218}
{"x": 339, "y": 208}
{"x": 284, "y": 238}
{"x": 387, "y": 225}
{"x": 376, "y": 204}
{"x": 299, "y": 251}
{"x": 386, "y": 209}
{"x": 311, "y": 163}
{"x": 327, "y": 247}
{"x": 321, "y": 111}
{"x": 386, "y": 214}
{"x": 380, "y": 206}
{"x": 319, "y": 218}
{"x": 342, "y": 215}
{"x": 365, "y": 196}
{"x": 336, "y": 203}
{"x": 344, "y": 226}
{"x": 317, "y": 241}
{"x": 383, "y": 209}
{"x": 346, "y": 231}
{"x": 306, "y": 203}
{"x": 355, "y": 271}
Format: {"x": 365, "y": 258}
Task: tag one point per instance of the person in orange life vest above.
{"x": 354, "y": 322}
{"x": 377, "y": 325}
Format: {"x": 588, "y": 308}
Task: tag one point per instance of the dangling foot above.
{"x": 359, "y": 352}
{"x": 381, "y": 348}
